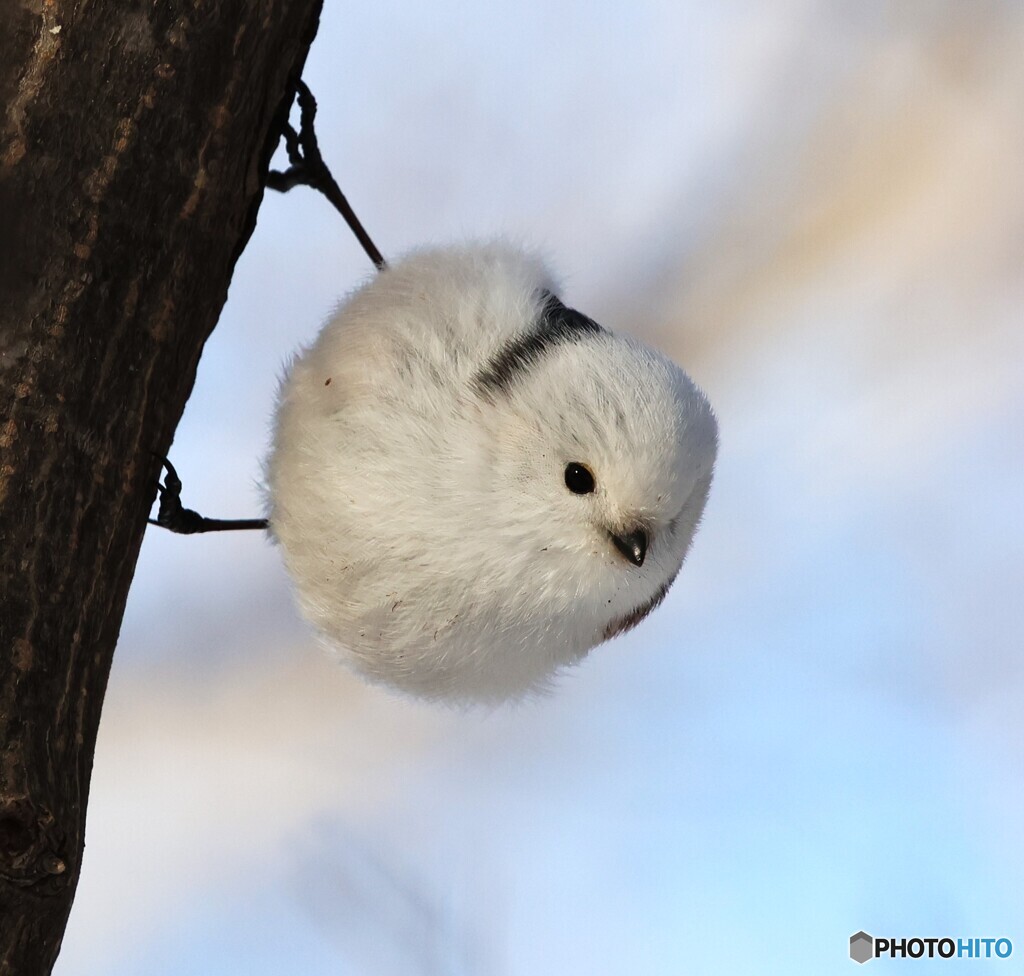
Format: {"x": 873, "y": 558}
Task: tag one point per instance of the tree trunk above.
{"x": 134, "y": 145}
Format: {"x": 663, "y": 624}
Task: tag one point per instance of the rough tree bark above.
{"x": 134, "y": 145}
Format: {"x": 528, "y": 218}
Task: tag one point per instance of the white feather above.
{"x": 425, "y": 519}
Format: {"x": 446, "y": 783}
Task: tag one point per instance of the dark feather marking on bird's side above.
{"x": 631, "y": 619}
{"x": 557, "y": 325}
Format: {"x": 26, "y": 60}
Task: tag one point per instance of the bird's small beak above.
{"x": 632, "y": 545}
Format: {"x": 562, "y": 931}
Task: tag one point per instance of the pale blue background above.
{"x": 817, "y": 207}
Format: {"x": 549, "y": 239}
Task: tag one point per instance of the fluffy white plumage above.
{"x": 418, "y": 487}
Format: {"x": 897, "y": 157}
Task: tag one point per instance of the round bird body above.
{"x": 473, "y": 484}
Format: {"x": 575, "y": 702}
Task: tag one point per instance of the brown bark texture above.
{"x": 134, "y": 144}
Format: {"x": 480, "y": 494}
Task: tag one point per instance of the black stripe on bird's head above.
{"x": 556, "y": 325}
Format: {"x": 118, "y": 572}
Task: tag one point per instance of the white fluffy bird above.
{"x": 473, "y": 484}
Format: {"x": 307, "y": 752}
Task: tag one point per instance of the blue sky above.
{"x": 816, "y": 209}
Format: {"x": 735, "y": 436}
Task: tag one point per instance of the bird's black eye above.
{"x": 578, "y": 479}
